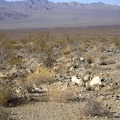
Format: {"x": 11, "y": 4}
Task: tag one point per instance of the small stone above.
{"x": 96, "y": 116}
{"x": 77, "y": 81}
{"x": 106, "y": 118}
{"x": 20, "y": 117}
{"x": 82, "y": 59}
{"x": 95, "y": 80}
{"x": 87, "y": 77}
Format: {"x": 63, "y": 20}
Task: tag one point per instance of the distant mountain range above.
{"x": 43, "y": 13}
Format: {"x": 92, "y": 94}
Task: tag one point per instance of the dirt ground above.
{"x": 52, "y": 111}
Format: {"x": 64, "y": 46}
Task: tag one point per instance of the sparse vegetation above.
{"x": 40, "y": 66}
{"x": 67, "y": 50}
{"x": 94, "y": 108}
{"x": 89, "y": 58}
{"x": 5, "y": 95}
{"x": 102, "y": 56}
{"x": 43, "y": 75}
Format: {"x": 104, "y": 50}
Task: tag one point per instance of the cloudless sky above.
{"x": 113, "y": 2}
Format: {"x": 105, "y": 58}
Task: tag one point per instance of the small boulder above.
{"x": 95, "y": 80}
{"x": 77, "y": 81}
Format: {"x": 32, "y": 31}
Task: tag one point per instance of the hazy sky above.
{"x": 114, "y": 2}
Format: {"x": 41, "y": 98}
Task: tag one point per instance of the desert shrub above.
{"x": 15, "y": 61}
{"x": 102, "y": 56}
{"x": 49, "y": 47}
{"x": 86, "y": 41}
{"x": 71, "y": 44}
{"x": 94, "y": 108}
{"x": 18, "y": 47}
{"x": 99, "y": 47}
{"x": 42, "y": 44}
{"x": 24, "y": 40}
{"x": 3, "y": 97}
{"x": 67, "y": 38}
{"x": 8, "y": 43}
{"x": 67, "y": 50}
{"x": 115, "y": 40}
{"x": 6, "y": 50}
{"x": 5, "y": 94}
{"x": 41, "y": 76}
{"x": 89, "y": 58}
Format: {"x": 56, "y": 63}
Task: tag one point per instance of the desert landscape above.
{"x": 37, "y": 14}
{"x": 59, "y": 61}
{"x": 60, "y": 74}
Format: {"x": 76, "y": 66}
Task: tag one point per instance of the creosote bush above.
{"x": 42, "y": 44}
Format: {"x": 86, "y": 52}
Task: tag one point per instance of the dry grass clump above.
{"x": 99, "y": 47}
{"x": 43, "y": 75}
{"x": 3, "y": 98}
{"x": 82, "y": 49}
{"x": 15, "y": 61}
{"x": 43, "y": 44}
{"x": 116, "y": 41}
{"x": 89, "y": 58}
{"x": 102, "y": 56}
{"x": 8, "y": 43}
{"x": 24, "y": 40}
{"x": 18, "y": 47}
{"x": 67, "y": 50}
{"x": 94, "y": 108}
{"x": 5, "y": 94}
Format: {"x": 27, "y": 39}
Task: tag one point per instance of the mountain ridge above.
{"x": 45, "y": 13}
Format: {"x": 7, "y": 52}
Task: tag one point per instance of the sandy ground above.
{"x": 52, "y": 111}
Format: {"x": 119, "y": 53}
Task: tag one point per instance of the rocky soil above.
{"x": 82, "y": 82}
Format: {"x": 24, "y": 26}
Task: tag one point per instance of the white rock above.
{"x": 95, "y": 80}
{"x": 77, "y": 81}
{"x": 87, "y": 77}
{"x": 1, "y": 75}
{"x": 82, "y": 59}
{"x": 18, "y": 90}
